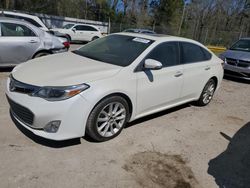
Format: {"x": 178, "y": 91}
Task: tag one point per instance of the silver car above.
{"x": 21, "y": 41}
{"x": 237, "y": 59}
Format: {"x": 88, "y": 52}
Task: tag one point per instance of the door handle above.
{"x": 32, "y": 41}
{"x": 207, "y": 68}
{"x": 178, "y": 74}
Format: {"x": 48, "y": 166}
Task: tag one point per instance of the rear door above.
{"x": 18, "y": 43}
{"x": 84, "y": 32}
{"x": 196, "y": 69}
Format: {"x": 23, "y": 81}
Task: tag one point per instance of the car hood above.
{"x": 234, "y": 54}
{"x": 64, "y": 69}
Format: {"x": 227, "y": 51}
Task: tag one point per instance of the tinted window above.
{"x": 167, "y": 53}
{"x": 85, "y": 28}
{"x": 192, "y": 53}
{"x": 68, "y": 26}
{"x": 12, "y": 29}
{"x": 118, "y": 50}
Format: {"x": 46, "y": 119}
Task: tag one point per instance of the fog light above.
{"x": 52, "y": 127}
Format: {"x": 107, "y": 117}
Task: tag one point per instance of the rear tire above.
{"x": 107, "y": 119}
{"x": 41, "y": 54}
{"x": 94, "y": 38}
{"x": 207, "y": 93}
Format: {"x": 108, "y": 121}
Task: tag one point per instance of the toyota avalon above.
{"x": 98, "y": 88}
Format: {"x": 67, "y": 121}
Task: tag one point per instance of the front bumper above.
{"x": 72, "y": 113}
{"x": 237, "y": 72}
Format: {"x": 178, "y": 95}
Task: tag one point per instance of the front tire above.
{"x": 207, "y": 93}
{"x": 94, "y": 38}
{"x": 108, "y": 118}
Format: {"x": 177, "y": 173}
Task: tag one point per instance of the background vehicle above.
{"x": 80, "y": 32}
{"x": 110, "y": 81}
{"x": 145, "y": 31}
{"x": 21, "y": 41}
{"x": 237, "y": 59}
{"x": 34, "y": 20}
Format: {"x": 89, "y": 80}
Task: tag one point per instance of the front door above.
{"x": 158, "y": 89}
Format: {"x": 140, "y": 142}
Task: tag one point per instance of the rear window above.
{"x": 192, "y": 53}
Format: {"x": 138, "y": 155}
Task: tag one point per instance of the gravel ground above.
{"x": 183, "y": 147}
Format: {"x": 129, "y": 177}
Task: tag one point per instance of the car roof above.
{"x": 18, "y": 21}
{"x": 138, "y": 30}
{"x": 2, "y": 18}
{"x": 157, "y": 37}
{"x": 245, "y": 38}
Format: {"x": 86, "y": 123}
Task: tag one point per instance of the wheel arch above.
{"x": 126, "y": 97}
{"x": 41, "y": 51}
{"x": 216, "y": 81}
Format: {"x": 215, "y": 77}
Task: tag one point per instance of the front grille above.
{"x": 238, "y": 63}
{"x": 22, "y": 113}
{"x": 231, "y": 61}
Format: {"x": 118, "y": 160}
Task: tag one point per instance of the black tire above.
{"x": 94, "y": 38}
{"x": 41, "y": 54}
{"x": 92, "y": 123}
{"x": 207, "y": 95}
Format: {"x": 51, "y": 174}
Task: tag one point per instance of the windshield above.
{"x": 68, "y": 26}
{"x": 118, "y": 50}
{"x": 242, "y": 45}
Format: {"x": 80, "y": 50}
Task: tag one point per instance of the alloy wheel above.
{"x": 111, "y": 119}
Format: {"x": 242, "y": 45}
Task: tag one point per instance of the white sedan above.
{"x": 98, "y": 88}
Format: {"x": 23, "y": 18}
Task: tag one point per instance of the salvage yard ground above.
{"x": 184, "y": 147}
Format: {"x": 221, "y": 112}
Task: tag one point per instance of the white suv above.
{"x": 80, "y": 32}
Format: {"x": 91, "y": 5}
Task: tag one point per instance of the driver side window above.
{"x": 167, "y": 53}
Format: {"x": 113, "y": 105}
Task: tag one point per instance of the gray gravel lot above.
{"x": 184, "y": 147}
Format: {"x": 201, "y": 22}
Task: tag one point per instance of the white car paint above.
{"x": 171, "y": 86}
{"x": 26, "y": 17}
{"x": 76, "y": 34}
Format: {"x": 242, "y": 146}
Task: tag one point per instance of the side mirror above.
{"x": 152, "y": 64}
{"x": 74, "y": 29}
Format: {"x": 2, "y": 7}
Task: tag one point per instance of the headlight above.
{"x": 60, "y": 93}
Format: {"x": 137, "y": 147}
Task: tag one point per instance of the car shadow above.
{"x": 6, "y": 69}
{"x": 231, "y": 169}
{"x": 43, "y": 141}
{"x": 72, "y": 142}
{"x": 158, "y": 114}
{"x": 236, "y": 80}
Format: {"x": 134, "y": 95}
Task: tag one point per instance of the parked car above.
{"x": 33, "y": 19}
{"x": 103, "y": 85}
{"x": 145, "y": 31}
{"x": 80, "y": 32}
{"x": 21, "y": 41}
{"x": 237, "y": 59}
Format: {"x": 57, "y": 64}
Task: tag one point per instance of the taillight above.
{"x": 66, "y": 44}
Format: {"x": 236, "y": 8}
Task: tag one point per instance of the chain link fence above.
{"x": 205, "y": 35}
